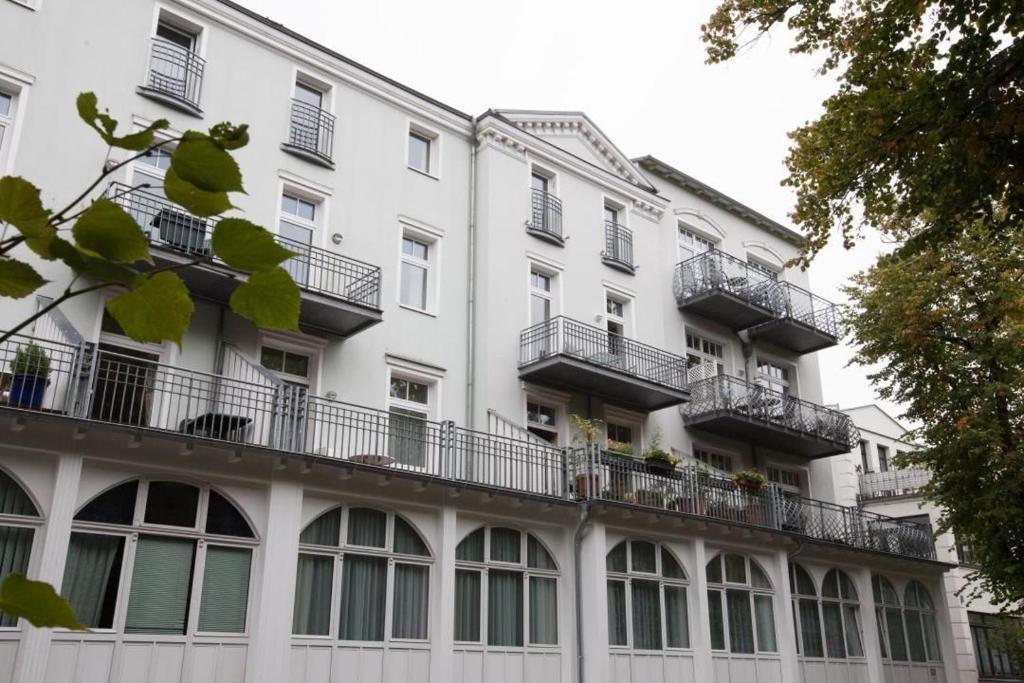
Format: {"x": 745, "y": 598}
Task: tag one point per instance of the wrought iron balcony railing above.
{"x": 568, "y": 337}
{"x": 796, "y": 303}
{"x": 601, "y": 475}
{"x": 314, "y": 269}
{"x": 892, "y": 483}
{"x": 618, "y": 247}
{"x": 249, "y": 406}
{"x": 175, "y": 72}
{"x": 545, "y": 216}
{"x": 311, "y": 130}
{"x": 730, "y": 395}
{"x": 715, "y": 270}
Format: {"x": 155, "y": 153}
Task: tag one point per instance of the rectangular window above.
{"x": 420, "y": 152}
{"x": 615, "y": 310}
{"x": 786, "y": 478}
{"x": 543, "y": 611}
{"x": 865, "y": 465}
{"x": 883, "y": 458}
{"x": 92, "y": 573}
{"x": 467, "y": 606}
{"x": 773, "y": 376}
{"x": 288, "y": 363}
{"x": 410, "y": 602}
{"x": 741, "y": 630}
{"x": 161, "y": 579}
{"x": 313, "y": 587}
{"x": 620, "y": 438}
{"x": 225, "y": 589}
{"x": 617, "y": 634}
{"x": 716, "y": 620}
{"x": 712, "y": 459}
{"x": 993, "y": 661}
{"x": 705, "y": 355}
{"x": 6, "y": 122}
{"x": 297, "y": 228}
{"x": 407, "y": 432}
{"x": 364, "y": 582}
{"x": 677, "y": 625}
{"x": 646, "y": 615}
{"x": 504, "y": 608}
{"x": 415, "y": 277}
{"x": 540, "y": 297}
{"x": 691, "y": 244}
{"x": 542, "y": 421}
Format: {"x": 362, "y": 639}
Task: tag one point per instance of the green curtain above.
{"x": 467, "y": 606}
{"x": 15, "y": 546}
{"x": 407, "y": 541}
{"x": 832, "y": 616}
{"x": 764, "y": 614}
{"x": 646, "y": 614}
{"x": 716, "y": 620}
{"x": 504, "y": 608}
{"x": 537, "y": 556}
{"x": 931, "y": 637}
{"x": 407, "y": 437}
{"x": 810, "y": 628}
{"x": 543, "y": 610}
{"x": 324, "y": 530}
{"x": 471, "y": 548}
{"x": 91, "y": 571}
{"x": 225, "y": 589}
{"x": 409, "y": 610}
{"x": 915, "y": 636}
{"x": 617, "y": 613}
{"x": 367, "y": 527}
{"x": 741, "y": 627}
{"x": 13, "y": 499}
{"x": 677, "y": 624}
{"x": 851, "y": 622}
{"x": 161, "y": 580}
{"x": 894, "y": 629}
{"x": 313, "y": 584}
{"x": 363, "y": 597}
{"x": 505, "y": 545}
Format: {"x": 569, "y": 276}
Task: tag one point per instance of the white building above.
{"x": 396, "y": 493}
{"x": 869, "y": 475}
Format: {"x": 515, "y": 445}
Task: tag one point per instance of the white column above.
{"x": 700, "y": 633}
{"x": 34, "y": 650}
{"x": 594, "y": 605}
{"x": 442, "y": 623}
{"x": 270, "y": 643}
{"x": 869, "y": 625}
{"x": 784, "y": 619}
{"x": 952, "y": 624}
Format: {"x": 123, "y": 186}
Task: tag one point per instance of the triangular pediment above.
{"x": 576, "y": 134}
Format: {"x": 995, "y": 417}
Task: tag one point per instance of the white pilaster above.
{"x": 442, "y": 623}
{"x": 594, "y": 604}
{"x": 35, "y": 644}
{"x": 869, "y": 625}
{"x": 784, "y": 619}
{"x": 700, "y": 634}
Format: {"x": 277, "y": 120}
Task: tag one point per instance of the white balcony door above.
{"x": 298, "y": 226}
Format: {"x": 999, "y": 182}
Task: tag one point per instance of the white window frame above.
{"x": 15, "y": 84}
{"x": 768, "y": 381}
{"x": 180, "y": 21}
{"x": 706, "y": 456}
{"x": 433, "y": 238}
{"x": 549, "y": 398}
{"x": 695, "y": 237}
{"x": 721, "y": 364}
{"x": 627, "y": 319}
{"x": 558, "y": 411}
{"x": 433, "y": 138}
{"x": 722, "y": 588}
{"x": 399, "y": 369}
{"x": 799, "y": 473}
{"x": 306, "y": 346}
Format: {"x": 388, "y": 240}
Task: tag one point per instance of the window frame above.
{"x": 706, "y": 456}
{"x": 696, "y": 238}
{"x": 702, "y": 355}
{"x": 432, "y": 137}
{"x": 722, "y": 587}
{"x": 33, "y": 522}
{"x": 820, "y": 599}
{"x": 657, "y": 576}
{"x": 432, "y": 240}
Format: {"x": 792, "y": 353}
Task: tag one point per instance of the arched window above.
{"x": 840, "y": 612}
{"x": 919, "y": 616}
{"x": 809, "y": 642}
{"x": 18, "y": 520}
{"x": 186, "y": 552}
{"x": 740, "y": 603}
{"x": 505, "y": 565}
{"x": 381, "y": 587}
{"x": 890, "y": 619}
{"x": 646, "y": 597}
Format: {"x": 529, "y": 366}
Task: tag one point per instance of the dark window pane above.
{"x": 617, "y": 634}
{"x": 735, "y": 569}
{"x": 716, "y": 620}
{"x": 616, "y": 560}
{"x": 407, "y": 541}
{"x": 643, "y": 556}
{"x": 467, "y": 606}
{"x": 669, "y": 567}
{"x": 363, "y": 595}
{"x": 646, "y": 615}
{"x": 537, "y": 555}
{"x": 677, "y": 624}
{"x": 471, "y": 548}
{"x": 810, "y": 629}
{"x": 115, "y": 506}
{"x": 505, "y": 545}
{"x": 410, "y": 603}
{"x": 172, "y": 503}
{"x": 161, "y": 583}
{"x": 505, "y": 608}
{"x": 367, "y": 527}
{"x": 741, "y": 626}
{"x": 324, "y": 530}
{"x": 714, "y": 570}
{"x": 92, "y": 572}
{"x": 313, "y": 585}
{"x": 224, "y": 518}
{"x": 13, "y": 499}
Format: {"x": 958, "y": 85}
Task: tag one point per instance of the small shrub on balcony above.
{"x": 750, "y": 480}
{"x": 619, "y": 447}
{"x": 657, "y": 457}
{"x": 30, "y": 360}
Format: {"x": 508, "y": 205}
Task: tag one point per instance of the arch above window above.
{"x": 366, "y": 528}
{"x": 883, "y": 591}
{"x": 14, "y": 499}
{"x": 740, "y": 605}
{"x": 838, "y": 585}
{"x": 800, "y": 582}
{"x": 647, "y": 597}
{"x": 917, "y": 596}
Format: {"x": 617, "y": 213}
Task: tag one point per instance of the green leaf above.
{"x": 246, "y": 246}
{"x": 93, "y": 267}
{"x": 18, "y": 280}
{"x": 196, "y": 201}
{"x": 269, "y": 298}
{"x": 109, "y": 231}
{"x": 227, "y": 136}
{"x": 37, "y": 602}
{"x": 156, "y": 310}
{"x": 103, "y": 124}
{"x": 201, "y": 162}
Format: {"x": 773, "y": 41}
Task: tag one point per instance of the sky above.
{"x": 636, "y": 68}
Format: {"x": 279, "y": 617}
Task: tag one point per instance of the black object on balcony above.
{"x": 340, "y": 295}
{"x": 565, "y": 352}
{"x": 545, "y": 217}
{"x": 803, "y": 322}
{"x": 618, "y": 247}
{"x": 311, "y": 133}
{"x": 724, "y": 288}
{"x": 742, "y": 410}
{"x": 175, "y": 76}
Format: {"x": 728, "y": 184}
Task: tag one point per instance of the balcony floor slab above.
{"x": 793, "y": 335}
{"x": 729, "y": 309}
{"x": 735, "y": 425}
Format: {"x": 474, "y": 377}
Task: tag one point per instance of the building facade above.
{"x": 408, "y": 489}
{"x": 883, "y": 486}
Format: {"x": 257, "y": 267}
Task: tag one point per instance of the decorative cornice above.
{"x": 491, "y": 136}
{"x": 596, "y": 142}
{"x": 648, "y": 210}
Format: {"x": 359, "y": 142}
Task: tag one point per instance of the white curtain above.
{"x": 411, "y": 603}
{"x": 543, "y": 610}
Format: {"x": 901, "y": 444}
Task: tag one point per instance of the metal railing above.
{"x": 175, "y": 71}
{"x": 602, "y": 475}
{"x": 546, "y": 214}
{"x": 796, "y": 303}
{"x": 618, "y": 244}
{"x": 311, "y": 129}
{"x": 892, "y": 483}
{"x": 715, "y": 270}
{"x": 250, "y": 406}
{"x": 568, "y": 337}
{"x": 734, "y": 395}
{"x": 314, "y": 269}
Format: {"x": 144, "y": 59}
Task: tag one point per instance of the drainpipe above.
{"x": 471, "y": 289}
{"x": 581, "y": 531}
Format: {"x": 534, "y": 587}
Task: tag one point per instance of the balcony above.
{"x": 604, "y": 476}
{"x": 310, "y": 134}
{"x": 892, "y": 484}
{"x": 725, "y": 289}
{"x": 545, "y": 217}
{"x": 566, "y": 353}
{"x": 731, "y": 407}
{"x": 245, "y": 407}
{"x": 803, "y": 322}
{"x": 618, "y": 248}
{"x": 175, "y": 77}
{"x": 340, "y": 295}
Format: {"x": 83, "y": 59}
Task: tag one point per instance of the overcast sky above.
{"x": 636, "y": 68}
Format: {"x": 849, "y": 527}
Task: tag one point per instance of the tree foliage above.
{"x": 925, "y": 133}
{"x": 108, "y": 249}
{"x": 945, "y": 326}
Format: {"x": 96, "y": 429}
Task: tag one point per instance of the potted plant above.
{"x": 587, "y": 431}
{"x": 657, "y": 458}
{"x": 750, "y": 480}
{"x": 30, "y": 371}
{"x": 619, "y": 447}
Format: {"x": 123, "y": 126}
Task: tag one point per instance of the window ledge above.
{"x": 426, "y": 174}
{"x": 619, "y": 265}
{"x": 308, "y": 155}
{"x": 170, "y": 100}
{"x": 413, "y": 309}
